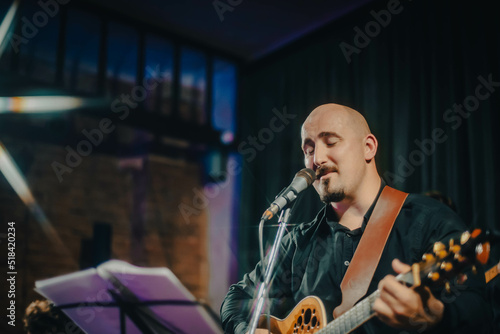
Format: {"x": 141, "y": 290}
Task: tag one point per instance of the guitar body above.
{"x": 309, "y": 316}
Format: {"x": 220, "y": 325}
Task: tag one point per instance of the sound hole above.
{"x": 299, "y": 321}
{"x": 307, "y": 316}
{"x": 314, "y": 321}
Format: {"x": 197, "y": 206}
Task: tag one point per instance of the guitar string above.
{"x": 362, "y": 313}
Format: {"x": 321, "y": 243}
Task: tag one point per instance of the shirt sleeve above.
{"x": 236, "y": 307}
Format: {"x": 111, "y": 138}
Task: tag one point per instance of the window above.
{"x": 224, "y": 99}
{"x": 121, "y": 60}
{"x": 82, "y": 52}
{"x": 38, "y": 52}
{"x": 193, "y": 85}
{"x": 178, "y": 82}
{"x": 158, "y": 73}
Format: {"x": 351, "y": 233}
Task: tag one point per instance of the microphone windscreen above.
{"x": 308, "y": 174}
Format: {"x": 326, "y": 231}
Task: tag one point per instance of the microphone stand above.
{"x": 264, "y": 287}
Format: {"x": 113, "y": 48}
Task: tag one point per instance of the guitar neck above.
{"x": 352, "y": 319}
{"x": 492, "y": 273}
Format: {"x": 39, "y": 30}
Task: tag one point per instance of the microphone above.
{"x": 303, "y": 179}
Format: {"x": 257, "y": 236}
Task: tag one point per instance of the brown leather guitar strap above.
{"x": 368, "y": 253}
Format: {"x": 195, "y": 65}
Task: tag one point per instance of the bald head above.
{"x": 338, "y": 113}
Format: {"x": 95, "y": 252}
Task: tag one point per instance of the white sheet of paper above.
{"x": 88, "y": 288}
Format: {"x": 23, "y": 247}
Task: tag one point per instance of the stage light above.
{"x": 15, "y": 178}
{"x": 227, "y": 137}
{"x": 7, "y": 24}
{"x": 40, "y": 104}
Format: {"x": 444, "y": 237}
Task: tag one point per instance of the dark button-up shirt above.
{"x": 315, "y": 256}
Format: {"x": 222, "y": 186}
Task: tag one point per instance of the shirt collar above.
{"x": 331, "y": 216}
{"x": 370, "y": 209}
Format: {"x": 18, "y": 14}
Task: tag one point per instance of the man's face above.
{"x": 333, "y": 148}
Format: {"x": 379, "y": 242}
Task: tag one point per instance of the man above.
{"x": 339, "y": 147}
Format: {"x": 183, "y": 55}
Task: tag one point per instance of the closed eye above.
{"x": 331, "y": 141}
{"x": 308, "y": 151}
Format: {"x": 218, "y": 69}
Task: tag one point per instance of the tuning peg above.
{"x": 447, "y": 287}
{"x": 476, "y": 233}
{"x": 459, "y": 257}
{"x": 474, "y": 270}
{"x": 483, "y": 252}
{"x": 428, "y": 257}
{"x": 442, "y": 254}
{"x": 433, "y": 276}
{"x": 452, "y": 243}
{"x": 446, "y": 266}
{"x": 455, "y": 249}
{"x": 464, "y": 237}
{"x": 438, "y": 246}
{"x": 440, "y": 250}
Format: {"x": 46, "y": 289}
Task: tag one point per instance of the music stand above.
{"x": 124, "y": 299}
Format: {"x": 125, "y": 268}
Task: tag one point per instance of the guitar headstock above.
{"x": 446, "y": 261}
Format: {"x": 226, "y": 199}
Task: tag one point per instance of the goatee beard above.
{"x": 333, "y": 197}
{"x": 329, "y": 197}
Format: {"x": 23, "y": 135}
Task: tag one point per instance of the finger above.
{"x": 382, "y": 310}
{"x": 390, "y": 300}
{"x": 386, "y": 314}
{"x": 434, "y": 307}
{"x": 404, "y": 296}
{"x": 391, "y": 285}
{"x": 401, "y": 301}
{"x": 400, "y": 267}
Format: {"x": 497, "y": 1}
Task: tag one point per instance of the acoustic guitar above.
{"x": 436, "y": 269}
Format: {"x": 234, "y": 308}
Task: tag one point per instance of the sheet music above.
{"x": 89, "y": 287}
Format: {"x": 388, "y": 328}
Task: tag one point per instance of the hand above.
{"x": 401, "y": 307}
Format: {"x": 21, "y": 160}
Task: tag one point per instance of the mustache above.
{"x": 324, "y": 169}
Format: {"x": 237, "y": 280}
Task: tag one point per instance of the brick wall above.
{"x": 101, "y": 189}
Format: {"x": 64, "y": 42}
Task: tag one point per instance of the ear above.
{"x": 371, "y": 145}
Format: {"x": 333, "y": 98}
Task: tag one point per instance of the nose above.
{"x": 320, "y": 156}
